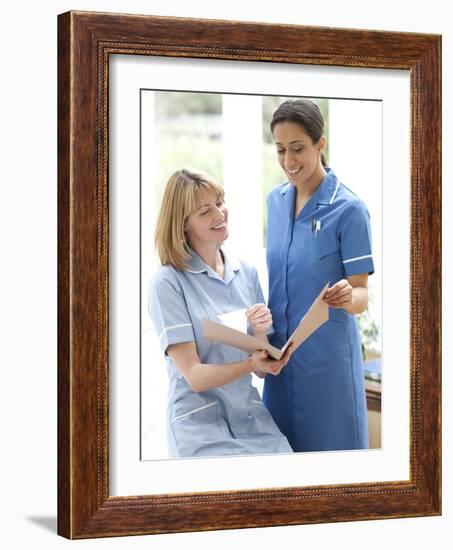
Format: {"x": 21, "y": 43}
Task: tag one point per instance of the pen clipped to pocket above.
{"x": 315, "y": 226}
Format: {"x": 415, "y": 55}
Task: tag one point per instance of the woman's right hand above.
{"x": 262, "y": 364}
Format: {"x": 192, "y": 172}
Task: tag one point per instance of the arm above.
{"x": 260, "y": 318}
{"x": 351, "y": 294}
{"x": 203, "y": 376}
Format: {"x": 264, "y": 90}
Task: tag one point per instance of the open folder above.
{"x": 317, "y": 315}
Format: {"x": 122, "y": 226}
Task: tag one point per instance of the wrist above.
{"x": 261, "y": 334}
{"x": 359, "y": 301}
{"x": 247, "y": 365}
{"x": 349, "y": 308}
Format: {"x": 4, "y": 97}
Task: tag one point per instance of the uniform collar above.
{"x": 196, "y": 265}
{"x": 328, "y": 188}
{"x": 324, "y": 194}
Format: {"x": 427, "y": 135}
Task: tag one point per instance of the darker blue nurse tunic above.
{"x": 318, "y": 400}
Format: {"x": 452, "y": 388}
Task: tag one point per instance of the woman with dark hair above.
{"x": 318, "y": 232}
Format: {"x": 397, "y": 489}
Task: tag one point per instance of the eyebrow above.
{"x": 291, "y": 142}
{"x": 219, "y": 196}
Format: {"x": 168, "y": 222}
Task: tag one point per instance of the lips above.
{"x": 220, "y": 227}
{"x": 293, "y": 172}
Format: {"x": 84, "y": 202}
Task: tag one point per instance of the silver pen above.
{"x": 317, "y": 225}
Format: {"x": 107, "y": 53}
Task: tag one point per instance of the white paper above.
{"x": 235, "y": 319}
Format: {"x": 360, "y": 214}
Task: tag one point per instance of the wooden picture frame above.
{"x": 85, "y": 42}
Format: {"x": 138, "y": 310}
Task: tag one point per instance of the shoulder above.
{"x": 350, "y": 203}
{"x": 278, "y": 191}
{"x": 166, "y": 277}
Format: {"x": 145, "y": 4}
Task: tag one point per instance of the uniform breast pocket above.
{"x": 328, "y": 261}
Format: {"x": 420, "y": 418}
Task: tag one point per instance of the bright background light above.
{"x": 227, "y": 136}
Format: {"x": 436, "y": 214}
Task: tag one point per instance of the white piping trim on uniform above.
{"x": 257, "y": 402}
{"x": 357, "y": 258}
{"x": 193, "y": 411}
{"x": 190, "y": 271}
{"x": 334, "y": 193}
{"x": 174, "y": 326}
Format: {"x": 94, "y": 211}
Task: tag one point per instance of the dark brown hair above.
{"x": 303, "y": 112}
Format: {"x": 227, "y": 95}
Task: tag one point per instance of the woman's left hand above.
{"x": 339, "y": 295}
{"x": 260, "y": 318}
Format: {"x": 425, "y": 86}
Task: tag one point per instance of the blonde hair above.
{"x": 178, "y": 202}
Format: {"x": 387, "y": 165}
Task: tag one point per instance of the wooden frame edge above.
{"x": 84, "y": 506}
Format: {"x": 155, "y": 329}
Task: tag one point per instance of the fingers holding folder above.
{"x": 263, "y": 364}
{"x": 317, "y": 315}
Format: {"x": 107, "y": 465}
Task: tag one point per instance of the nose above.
{"x": 288, "y": 159}
{"x": 221, "y": 212}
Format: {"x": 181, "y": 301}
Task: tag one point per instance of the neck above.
{"x": 211, "y": 256}
{"x": 306, "y": 189}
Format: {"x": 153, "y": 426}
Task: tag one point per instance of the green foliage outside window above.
{"x": 189, "y": 130}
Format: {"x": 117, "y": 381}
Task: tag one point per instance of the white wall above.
{"x": 28, "y": 274}
{"x": 355, "y": 130}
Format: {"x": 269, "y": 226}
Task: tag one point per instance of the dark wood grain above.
{"x": 85, "y": 42}
{"x": 64, "y": 367}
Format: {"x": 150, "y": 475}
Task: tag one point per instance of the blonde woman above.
{"x": 213, "y": 408}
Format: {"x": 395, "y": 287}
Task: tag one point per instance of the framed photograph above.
{"x": 140, "y": 97}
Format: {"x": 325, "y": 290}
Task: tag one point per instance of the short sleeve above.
{"x": 355, "y": 239}
{"x": 168, "y": 310}
{"x": 259, "y": 296}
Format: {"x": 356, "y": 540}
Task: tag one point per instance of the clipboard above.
{"x": 317, "y": 315}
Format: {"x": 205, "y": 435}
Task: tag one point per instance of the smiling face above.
{"x": 299, "y": 157}
{"x": 208, "y": 224}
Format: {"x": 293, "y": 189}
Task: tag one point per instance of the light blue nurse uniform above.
{"x": 228, "y": 420}
{"x": 318, "y": 400}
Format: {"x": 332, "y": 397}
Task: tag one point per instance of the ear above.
{"x": 321, "y": 143}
